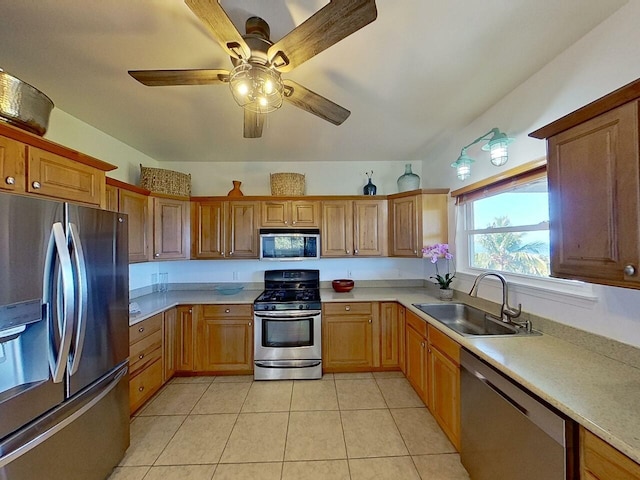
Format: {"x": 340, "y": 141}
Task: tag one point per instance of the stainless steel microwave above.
{"x": 289, "y": 244}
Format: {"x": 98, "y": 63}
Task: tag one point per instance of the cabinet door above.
{"x": 59, "y": 177}
{"x": 416, "y": 362}
{"x": 391, "y": 331}
{"x": 208, "y": 229}
{"x": 370, "y": 228}
{"x": 275, "y": 213}
{"x": 600, "y": 461}
{"x": 169, "y": 344}
{"x": 12, "y": 163}
{"x": 347, "y": 343}
{"x": 170, "y": 229}
{"x": 444, "y": 394}
{"x": 337, "y": 229}
{"x": 136, "y": 206}
{"x": 402, "y": 341}
{"x": 404, "y": 230}
{"x": 242, "y": 230}
{"x": 227, "y": 345}
{"x": 111, "y": 198}
{"x": 185, "y": 338}
{"x": 594, "y": 181}
{"x": 305, "y": 214}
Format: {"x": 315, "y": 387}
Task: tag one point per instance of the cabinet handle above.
{"x": 141, "y": 356}
{"x": 629, "y": 270}
{"x": 141, "y": 329}
{"x": 347, "y": 308}
{"x": 226, "y": 310}
{"x": 140, "y": 389}
{"x": 10, "y": 180}
{"x": 36, "y": 185}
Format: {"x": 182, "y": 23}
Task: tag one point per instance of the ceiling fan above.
{"x": 255, "y": 80}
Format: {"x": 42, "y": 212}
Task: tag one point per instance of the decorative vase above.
{"x": 370, "y": 188}
{"x": 235, "y": 191}
{"x": 445, "y": 294}
{"x": 408, "y": 181}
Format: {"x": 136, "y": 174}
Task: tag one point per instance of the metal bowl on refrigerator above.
{"x": 22, "y": 105}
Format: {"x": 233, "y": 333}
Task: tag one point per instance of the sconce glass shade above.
{"x": 463, "y": 165}
{"x": 256, "y": 87}
{"x": 497, "y": 148}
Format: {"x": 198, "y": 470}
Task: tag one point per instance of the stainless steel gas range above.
{"x": 288, "y": 326}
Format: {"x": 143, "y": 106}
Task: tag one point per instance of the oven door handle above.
{"x": 289, "y": 314}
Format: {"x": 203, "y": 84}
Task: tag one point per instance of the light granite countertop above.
{"x": 596, "y": 391}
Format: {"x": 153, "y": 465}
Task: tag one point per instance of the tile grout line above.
{"x": 344, "y": 438}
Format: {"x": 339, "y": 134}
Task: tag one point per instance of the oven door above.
{"x": 288, "y": 335}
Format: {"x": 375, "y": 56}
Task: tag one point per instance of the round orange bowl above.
{"x": 342, "y": 285}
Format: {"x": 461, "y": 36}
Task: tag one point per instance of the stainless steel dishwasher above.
{"x": 508, "y": 433}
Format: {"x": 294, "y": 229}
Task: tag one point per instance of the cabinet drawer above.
{"x": 447, "y": 346}
{"x": 601, "y": 461}
{"x": 145, "y": 352}
{"x": 145, "y": 384}
{"x": 357, "y": 308}
{"x": 145, "y": 328}
{"x": 417, "y": 323}
{"x": 226, "y": 310}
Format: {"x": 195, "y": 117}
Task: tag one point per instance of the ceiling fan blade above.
{"x": 223, "y": 30}
{"x": 253, "y": 123}
{"x": 335, "y": 21}
{"x": 310, "y": 101}
{"x": 159, "y": 78}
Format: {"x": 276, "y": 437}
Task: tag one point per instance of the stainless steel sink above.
{"x": 470, "y": 321}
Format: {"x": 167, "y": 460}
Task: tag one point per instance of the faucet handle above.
{"x": 512, "y": 312}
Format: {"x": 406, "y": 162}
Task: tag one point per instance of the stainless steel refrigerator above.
{"x": 64, "y": 294}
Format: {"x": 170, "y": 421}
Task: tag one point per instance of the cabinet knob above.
{"x": 286, "y": 222}
{"x": 629, "y": 270}
{"x": 294, "y": 222}
{"x": 250, "y": 324}
{"x": 422, "y": 344}
{"x": 355, "y": 251}
{"x": 157, "y": 255}
{"x": 36, "y": 185}
{"x": 141, "y": 329}
{"x": 140, "y": 389}
{"x": 120, "y": 220}
{"x": 10, "y": 181}
{"x": 141, "y": 356}
{"x": 370, "y": 320}
{"x": 226, "y": 310}
{"x": 415, "y": 252}
{"x": 231, "y": 253}
{"x": 190, "y": 311}
{"x": 348, "y": 252}
{"x": 347, "y": 308}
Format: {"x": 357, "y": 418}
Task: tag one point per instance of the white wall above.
{"x": 73, "y": 133}
{"x": 602, "y": 61}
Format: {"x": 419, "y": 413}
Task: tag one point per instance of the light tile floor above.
{"x": 343, "y": 427}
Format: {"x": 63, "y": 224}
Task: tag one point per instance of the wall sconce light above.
{"x": 496, "y": 145}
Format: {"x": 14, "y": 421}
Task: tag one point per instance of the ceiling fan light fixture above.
{"x": 256, "y": 87}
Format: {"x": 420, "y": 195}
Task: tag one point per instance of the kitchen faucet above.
{"x": 507, "y": 313}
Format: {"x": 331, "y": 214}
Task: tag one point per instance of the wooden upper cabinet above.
{"x": 594, "y": 190}
{"x": 290, "y": 213}
{"x": 170, "y": 229}
{"x": 225, "y": 229}
{"x": 136, "y": 206}
{"x": 417, "y": 219}
{"x": 111, "y": 197}
{"x": 354, "y": 228}
{"x": 12, "y": 165}
{"x": 56, "y": 176}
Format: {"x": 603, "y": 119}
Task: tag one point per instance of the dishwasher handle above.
{"x": 548, "y": 420}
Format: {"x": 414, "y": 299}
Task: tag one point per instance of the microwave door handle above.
{"x": 81, "y": 324}
{"x": 62, "y": 325}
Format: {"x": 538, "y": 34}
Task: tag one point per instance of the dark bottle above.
{"x": 370, "y": 188}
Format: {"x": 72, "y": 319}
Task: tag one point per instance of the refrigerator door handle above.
{"x": 63, "y": 325}
{"x": 10, "y": 454}
{"x": 81, "y": 274}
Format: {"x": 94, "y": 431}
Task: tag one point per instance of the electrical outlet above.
{"x": 235, "y": 275}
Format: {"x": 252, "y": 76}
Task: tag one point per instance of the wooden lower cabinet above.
{"x": 225, "y": 339}
{"x": 444, "y": 383}
{"x": 416, "y": 355}
{"x": 348, "y": 334}
{"x": 600, "y": 461}
{"x": 391, "y": 335}
{"x": 169, "y": 346}
{"x": 185, "y": 338}
{"x": 145, "y": 360}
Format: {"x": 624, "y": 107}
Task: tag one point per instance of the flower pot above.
{"x": 445, "y": 294}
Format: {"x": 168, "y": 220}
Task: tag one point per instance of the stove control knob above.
{"x": 273, "y": 307}
{"x": 300, "y": 307}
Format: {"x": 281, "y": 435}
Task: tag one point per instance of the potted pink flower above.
{"x": 435, "y": 253}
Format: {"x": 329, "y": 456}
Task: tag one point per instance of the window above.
{"x": 506, "y": 222}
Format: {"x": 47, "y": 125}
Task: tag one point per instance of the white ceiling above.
{"x": 422, "y": 69}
